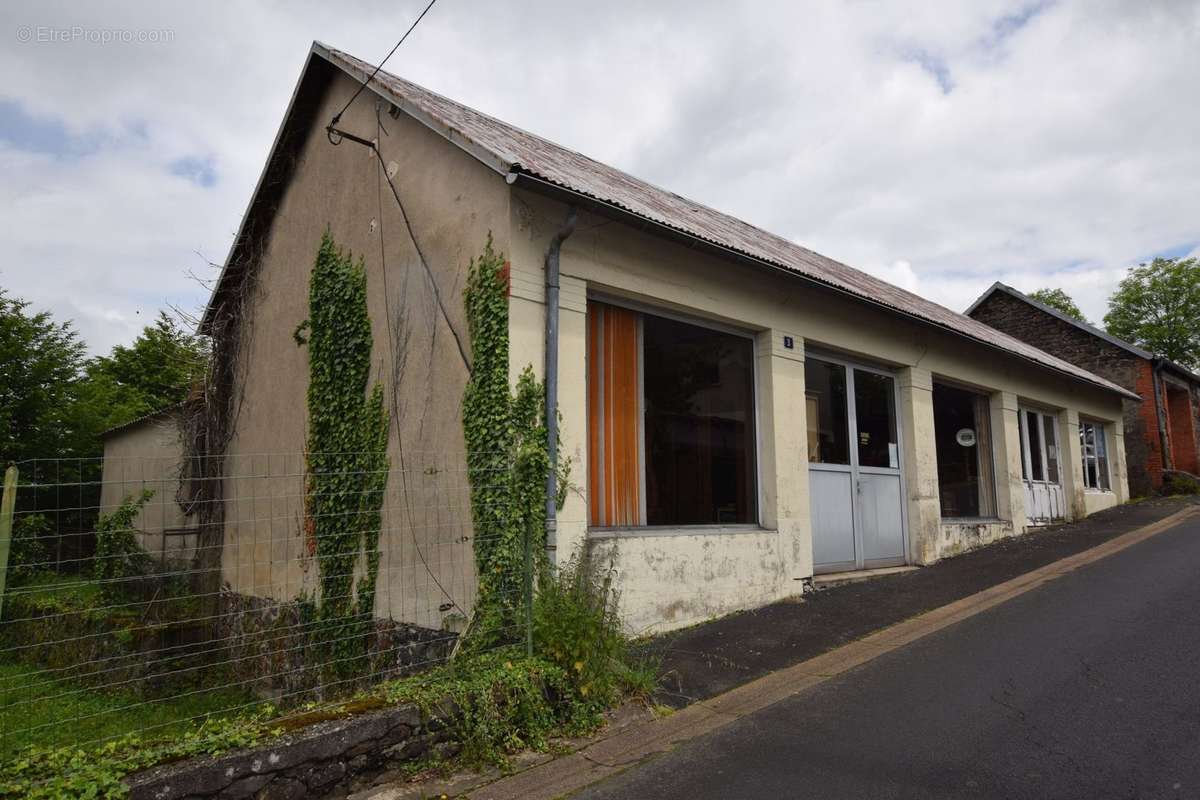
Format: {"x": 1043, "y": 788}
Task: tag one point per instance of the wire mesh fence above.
{"x": 131, "y": 606}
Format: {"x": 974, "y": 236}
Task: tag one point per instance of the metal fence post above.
{"x": 7, "y": 504}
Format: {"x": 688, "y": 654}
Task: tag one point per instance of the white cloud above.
{"x": 1062, "y": 152}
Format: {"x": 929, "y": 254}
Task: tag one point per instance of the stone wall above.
{"x": 328, "y": 758}
{"x": 270, "y": 646}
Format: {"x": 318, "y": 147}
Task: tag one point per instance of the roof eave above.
{"x": 451, "y": 134}
{"x": 529, "y": 180}
{"x": 206, "y": 320}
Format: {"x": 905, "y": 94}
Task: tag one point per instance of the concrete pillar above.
{"x": 572, "y": 405}
{"x": 1006, "y": 460}
{"x": 920, "y": 464}
{"x": 1072, "y": 469}
{"x": 1120, "y": 473}
{"x": 783, "y": 454}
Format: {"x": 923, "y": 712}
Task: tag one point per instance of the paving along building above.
{"x": 740, "y": 412}
{"x": 1162, "y": 432}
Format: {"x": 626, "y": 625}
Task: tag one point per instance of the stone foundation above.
{"x": 318, "y": 761}
{"x": 270, "y": 649}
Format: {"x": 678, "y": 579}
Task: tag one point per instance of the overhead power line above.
{"x": 337, "y": 117}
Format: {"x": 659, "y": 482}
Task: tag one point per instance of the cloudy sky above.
{"x": 940, "y": 145}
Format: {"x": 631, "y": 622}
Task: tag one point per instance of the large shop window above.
{"x": 963, "y": 433}
{"x": 1095, "y": 456}
{"x": 670, "y": 422}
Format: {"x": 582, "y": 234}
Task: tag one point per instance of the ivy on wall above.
{"x": 347, "y": 464}
{"x": 506, "y": 451}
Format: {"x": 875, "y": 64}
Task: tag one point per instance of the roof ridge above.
{"x": 503, "y": 147}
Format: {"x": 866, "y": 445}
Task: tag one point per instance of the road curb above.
{"x": 631, "y": 745}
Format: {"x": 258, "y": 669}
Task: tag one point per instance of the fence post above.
{"x": 529, "y": 589}
{"x": 7, "y": 504}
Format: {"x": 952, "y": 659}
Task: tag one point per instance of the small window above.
{"x": 1094, "y": 444}
{"x": 671, "y": 422}
{"x": 963, "y": 434}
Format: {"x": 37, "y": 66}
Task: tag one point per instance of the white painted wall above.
{"x": 679, "y": 577}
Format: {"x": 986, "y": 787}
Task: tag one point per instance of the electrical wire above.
{"x": 387, "y": 311}
{"x": 337, "y": 117}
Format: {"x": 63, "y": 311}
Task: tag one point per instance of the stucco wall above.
{"x": 667, "y": 578}
{"x": 452, "y": 202}
{"x": 673, "y": 579}
{"x": 147, "y": 455}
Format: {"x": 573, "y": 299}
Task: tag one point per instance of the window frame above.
{"x": 610, "y": 531}
{"x": 1101, "y": 427}
{"x": 995, "y": 471}
{"x": 1042, "y": 413}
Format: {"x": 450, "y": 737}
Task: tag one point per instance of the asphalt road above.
{"x": 1086, "y": 687}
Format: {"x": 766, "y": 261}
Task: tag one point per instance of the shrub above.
{"x": 28, "y": 553}
{"x": 577, "y": 628}
{"x": 119, "y": 557}
{"x": 1176, "y": 483}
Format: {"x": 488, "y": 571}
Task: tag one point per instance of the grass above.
{"x": 38, "y": 709}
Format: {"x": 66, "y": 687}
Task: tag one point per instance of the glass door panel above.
{"x": 875, "y": 413}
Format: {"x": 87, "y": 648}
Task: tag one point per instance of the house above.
{"x": 145, "y": 454}
{"x": 739, "y": 412}
{"x": 1162, "y": 432}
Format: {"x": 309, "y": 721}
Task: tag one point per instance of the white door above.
{"x": 1041, "y": 467}
{"x": 855, "y": 481}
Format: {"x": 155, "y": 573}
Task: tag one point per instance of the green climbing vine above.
{"x": 347, "y": 465}
{"x": 506, "y": 451}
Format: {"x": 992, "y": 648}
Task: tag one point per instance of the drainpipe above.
{"x": 1155, "y": 371}
{"x": 552, "y": 282}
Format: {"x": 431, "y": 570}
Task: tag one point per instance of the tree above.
{"x": 41, "y": 368}
{"x": 156, "y": 370}
{"x": 1157, "y": 306}
{"x": 1059, "y": 301}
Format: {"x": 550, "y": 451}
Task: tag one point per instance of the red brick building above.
{"x": 1162, "y": 433}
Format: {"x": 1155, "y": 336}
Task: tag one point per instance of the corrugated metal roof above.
{"x": 507, "y": 148}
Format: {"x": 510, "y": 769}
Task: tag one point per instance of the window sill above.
{"x": 1098, "y": 491}
{"x": 972, "y": 521}
{"x": 676, "y": 530}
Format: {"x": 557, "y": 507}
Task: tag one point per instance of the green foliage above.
{"x": 156, "y": 370}
{"x": 346, "y": 450}
{"x": 1157, "y": 307}
{"x": 507, "y": 457}
{"x": 64, "y": 773}
{"x": 577, "y": 628}
{"x": 507, "y": 703}
{"x": 28, "y": 552}
{"x": 1059, "y": 300}
{"x": 1179, "y": 484}
{"x": 487, "y": 426}
{"x": 118, "y": 556}
{"x": 43, "y": 370}
{"x": 55, "y": 403}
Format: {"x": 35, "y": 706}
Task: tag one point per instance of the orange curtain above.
{"x": 614, "y": 471}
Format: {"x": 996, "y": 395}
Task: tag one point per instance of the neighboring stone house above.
{"x": 1162, "y": 430}
{"x": 740, "y": 412}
